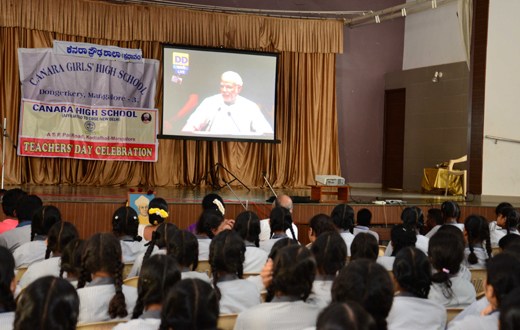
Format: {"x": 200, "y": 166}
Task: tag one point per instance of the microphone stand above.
{"x": 236, "y": 196}
{"x": 269, "y": 185}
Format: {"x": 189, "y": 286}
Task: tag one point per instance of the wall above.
{"x": 501, "y": 161}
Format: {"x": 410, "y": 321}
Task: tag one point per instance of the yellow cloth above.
{"x": 436, "y": 178}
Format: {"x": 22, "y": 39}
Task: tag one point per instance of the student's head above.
{"x": 343, "y": 217}
{"x": 503, "y": 276}
{"x": 402, "y": 237}
{"x": 510, "y": 311}
{"x": 476, "y": 229}
{"x": 412, "y": 218}
{"x": 412, "y": 272}
{"x": 364, "y": 217}
{"x": 7, "y": 280}
{"x": 184, "y": 247}
{"x": 446, "y": 253}
{"x": 247, "y": 225}
{"x": 434, "y": 217}
{"x": 214, "y": 202}
{"x": 501, "y": 212}
{"x": 71, "y": 259}
{"x": 226, "y": 255}
{"x": 157, "y": 276}
{"x": 294, "y": 270}
{"x": 369, "y": 284}
{"x": 230, "y": 86}
{"x": 509, "y": 240}
{"x": 280, "y": 220}
{"x": 319, "y": 224}
{"x": 345, "y": 315}
{"x": 102, "y": 254}
{"x": 364, "y": 246}
{"x": 191, "y": 304}
{"x": 60, "y": 235}
{"x": 512, "y": 220}
{"x": 47, "y": 303}
{"x": 157, "y": 211}
{"x": 330, "y": 253}
{"x": 27, "y": 206}
{"x": 10, "y": 199}
{"x": 160, "y": 238}
{"x": 450, "y": 211}
{"x": 43, "y": 219}
{"x": 125, "y": 223}
{"x": 281, "y": 243}
{"x": 209, "y": 223}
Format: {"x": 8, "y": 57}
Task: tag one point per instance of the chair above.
{"x": 450, "y": 172}
{"x": 382, "y": 249}
{"x": 478, "y": 276}
{"x": 204, "y": 267}
{"x": 19, "y": 273}
{"x": 496, "y": 250}
{"x": 226, "y": 321}
{"x": 99, "y": 325}
{"x": 452, "y": 312}
{"x": 132, "y": 281}
{"x": 246, "y": 275}
{"x": 127, "y": 268}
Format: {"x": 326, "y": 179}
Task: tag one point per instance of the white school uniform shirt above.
{"x": 421, "y": 244}
{"x": 348, "y": 237}
{"x": 387, "y": 262}
{"x": 30, "y": 252}
{"x": 436, "y": 227}
{"x": 138, "y": 263}
{"x": 237, "y": 295}
{"x": 463, "y": 293}
{"x": 147, "y": 321}
{"x": 281, "y": 313}
{"x": 255, "y": 259}
{"x": 257, "y": 281}
{"x": 7, "y": 320}
{"x": 46, "y": 267}
{"x": 265, "y": 230}
{"x": 476, "y": 322}
{"x": 204, "y": 243}
{"x": 481, "y": 254}
{"x": 268, "y": 245}
{"x": 495, "y": 233}
{"x": 94, "y": 301}
{"x": 321, "y": 291}
{"x": 364, "y": 229}
{"x": 131, "y": 250}
{"x": 412, "y": 313}
{"x": 193, "y": 274}
{"x": 14, "y": 238}
{"x": 473, "y": 309}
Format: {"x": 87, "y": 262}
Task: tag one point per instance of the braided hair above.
{"x": 402, "y": 237}
{"x": 413, "y": 272}
{"x": 156, "y": 218}
{"x": 226, "y": 256}
{"x": 280, "y": 219}
{"x": 208, "y": 222}
{"x": 71, "y": 258}
{"x": 412, "y": 218}
{"x": 43, "y": 219}
{"x": 60, "y": 234}
{"x": 512, "y": 219}
{"x": 7, "y": 302}
{"x": 184, "y": 247}
{"x": 477, "y": 230}
{"x": 330, "y": 252}
{"x": 126, "y": 223}
{"x": 103, "y": 253}
{"x": 160, "y": 238}
{"x": 247, "y": 225}
{"x": 343, "y": 217}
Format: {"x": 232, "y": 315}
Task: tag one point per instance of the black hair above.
{"x": 280, "y": 219}
{"x": 247, "y": 225}
{"x": 500, "y": 207}
{"x": 321, "y": 223}
{"x": 369, "y": 284}
{"x": 281, "y": 243}
{"x": 47, "y": 303}
{"x": 126, "y": 223}
{"x": 509, "y": 240}
{"x": 510, "y": 311}
{"x": 7, "y": 302}
{"x": 436, "y": 215}
{"x": 345, "y": 315}
{"x": 60, "y": 234}
{"x": 184, "y": 247}
{"x": 446, "y": 253}
{"x": 153, "y": 217}
{"x": 343, "y": 217}
{"x": 157, "y": 276}
{"x": 402, "y": 237}
{"x": 43, "y": 219}
{"x": 10, "y": 199}
{"x": 450, "y": 210}
{"x": 71, "y": 258}
{"x": 208, "y": 222}
{"x": 226, "y": 256}
{"x": 503, "y": 274}
{"x": 412, "y": 218}
{"x": 208, "y": 202}
{"x": 160, "y": 238}
{"x": 191, "y": 304}
{"x": 364, "y": 217}
{"x": 294, "y": 270}
{"x": 512, "y": 219}
{"x": 26, "y": 206}
{"x": 413, "y": 272}
{"x": 330, "y": 252}
{"x": 102, "y": 252}
{"x": 477, "y": 230}
{"x": 364, "y": 246}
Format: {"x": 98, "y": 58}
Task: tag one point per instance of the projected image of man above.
{"x": 228, "y": 112}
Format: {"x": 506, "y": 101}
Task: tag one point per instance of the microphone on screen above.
{"x": 210, "y": 123}
{"x": 233, "y": 120}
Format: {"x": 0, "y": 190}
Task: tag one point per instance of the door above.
{"x": 393, "y": 143}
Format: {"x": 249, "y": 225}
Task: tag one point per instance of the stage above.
{"x": 90, "y": 208}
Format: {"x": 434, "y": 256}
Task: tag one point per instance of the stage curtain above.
{"x": 306, "y": 122}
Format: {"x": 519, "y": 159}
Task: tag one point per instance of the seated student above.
{"x": 183, "y": 246}
{"x": 503, "y": 276}
{"x": 319, "y": 224}
{"x": 400, "y": 238}
{"x": 104, "y": 297}
{"x": 464, "y": 272}
{"x": 495, "y": 227}
{"x": 449, "y": 288}
{"x": 157, "y": 245}
{"x": 512, "y": 221}
{"x": 289, "y": 281}
{"x": 30, "y": 252}
{"x": 509, "y": 239}
{"x": 412, "y": 218}
{"x": 247, "y": 225}
{"x": 9, "y": 200}
{"x": 47, "y": 303}
{"x": 330, "y": 252}
{"x": 411, "y": 309}
{"x": 286, "y": 202}
{"x": 510, "y": 311}
{"x": 190, "y": 304}
{"x": 346, "y": 315}
{"x": 157, "y": 214}
{"x": 226, "y": 257}
{"x": 210, "y": 223}
{"x": 7, "y": 287}
{"x": 433, "y": 218}
{"x": 364, "y": 217}
{"x": 364, "y": 246}
{"x": 60, "y": 235}
{"x": 25, "y": 208}
{"x": 343, "y": 218}
{"x": 280, "y": 220}
{"x": 478, "y": 250}
{"x": 124, "y": 227}
{"x": 450, "y": 216}
{"x": 159, "y": 274}
{"x": 70, "y": 265}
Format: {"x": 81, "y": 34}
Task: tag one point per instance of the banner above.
{"x": 87, "y": 108}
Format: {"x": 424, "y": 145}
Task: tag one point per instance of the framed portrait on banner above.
{"x": 139, "y": 202}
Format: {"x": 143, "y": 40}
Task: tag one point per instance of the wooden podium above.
{"x": 317, "y": 191}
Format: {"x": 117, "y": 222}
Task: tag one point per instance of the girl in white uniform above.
{"x": 400, "y": 237}
{"x": 478, "y": 250}
{"x": 364, "y": 246}
{"x": 183, "y": 246}
{"x": 157, "y": 214}
{"x": 159, "y": 274}
{"x": 343, "y": 218}
{"x": 413, "y": 220}
{"x": 70, "y": 263}
{"x": 226, "y": 258}
{"x": 124, "y": 227}
{"x": 7, "y": 288}
{"x": 247, "y": 225}
{"x": 210, "y": 223}
{"x": 496, "y": 231}
{"x": 450, "y": 211}
{"x": 104, "y": 297}
{"x": 280, "y": 221}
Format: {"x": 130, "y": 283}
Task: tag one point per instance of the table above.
{"x": 435, "y": 180}
{"x": 317, "y": 192}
